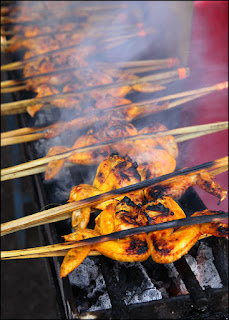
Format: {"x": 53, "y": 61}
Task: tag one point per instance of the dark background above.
{"x": 27, "y": 291}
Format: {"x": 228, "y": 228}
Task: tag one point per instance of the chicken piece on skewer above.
{"x": 164, "y": 246}
{"x": 121, "y": 215}
{"x": 52, "y": 79}
{"x": 102, "y": 99}
{"x": 25, "y": 13}
{"x": 89, "y": 78}
{"x": 113, "y": 173}
{"x": 103, "y": 132}
{"x": 155, "y": 156}
{"x": 128, "y": 114}
{"x": 46, "y": 43}
{"x": 28, "y": 31}
{"x": 112, "y": 129}
{"x": 105, "y": 180}
{"x": 176, "y": 188}
{"x": 56, "y": 61}
{"x": 171, "y": 244}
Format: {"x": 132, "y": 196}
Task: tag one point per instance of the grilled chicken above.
{"x": 116, "y": 216}
{"x": 112, "y": 173}
{"x": 156, "y": 161}
{"x": 103, "y": 132}
{"x": 117, "y": 172}
{"x": 177, "y": 187}
{"x": 164, "y": 246}
{"x": 80, "y": 79}
{"x": 171, "y": 244}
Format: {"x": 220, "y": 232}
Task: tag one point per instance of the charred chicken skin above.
{"x": 171, "y": 244}
{"x": 164, "y": 246}
{"x": 176, "y": 188}
{"x": 116, "y": 172}
{"x": 113, "y": 173}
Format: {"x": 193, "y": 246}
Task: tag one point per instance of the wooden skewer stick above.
{"x": 179, "y": 131}
{"x": 52, "y": 253}
{"x": 88, "y": 32}
{"x": 188, "y": 132}
{"x": 43, "y": 217}
{"x": 20, "y": 64}
{"x": 22, "y": 139}
{"x": 79, "y": 7}
{"x": 98, "y": 26}
{"x": 19, "y": 106}
{"x": 151, "y": 78}
{"x": 63, "y": 212}
{"x": 22, "y": 131}
{"x": 27, "y": 134}
{"x": 11, "y": 83}
{"x": 133, "y": 66}
{"x": 52, "y": 250}
{"x": 15, "y": 88}
{"x": 60, "y": 253}
{"x": 29, "y": 172}
{"x": 219, "y": 170}
{"x": 97, "y": 16}
{"x": 42, "y": 168}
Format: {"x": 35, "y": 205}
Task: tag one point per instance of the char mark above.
{"x": 128, "y": 201}
{"x": 137, "y": 246}
{"x": 159, "y": 207}
{"x": 160, "y": 246}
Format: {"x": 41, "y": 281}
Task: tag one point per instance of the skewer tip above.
{"x": 182, "y": 72}
{"x": 222, "y": 85}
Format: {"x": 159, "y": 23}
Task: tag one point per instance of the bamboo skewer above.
{"x": 22, "y": 131}
{"x": 13, "y": 89}
{"x": 144, "y": 104}
{"x": 27, "y": 134}
{"x": 20, "y": 64}
{"x": 188, "y": 132}
{"x": 178, "y": 131}
{"x": 97, "y": 16}
{"x": 11, "y": 85}
{"x": 42, "y": 168}
{"x": 133, "y": 67}
{"x": 63, "y": 212}
{"x": 90, "y": 23}
{"x": 20, "y": 106}
{"x": 62, "y": 126}
{"x": 8, "y": 107}
{"x": 52, "y": 253}
{"x": 87, "y": 33}
{"x": 61, "y": 249}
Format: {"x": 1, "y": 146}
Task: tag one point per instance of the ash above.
{"x": 203, "y": 267}
{"x": 88, "y": 278}
{"x": 143, "y": 291}
{"x": 135, "y": 284}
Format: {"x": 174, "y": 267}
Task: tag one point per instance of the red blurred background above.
{"x": 208, "y": 62}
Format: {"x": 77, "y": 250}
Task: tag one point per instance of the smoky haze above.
{"x": 160, "y": 22}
